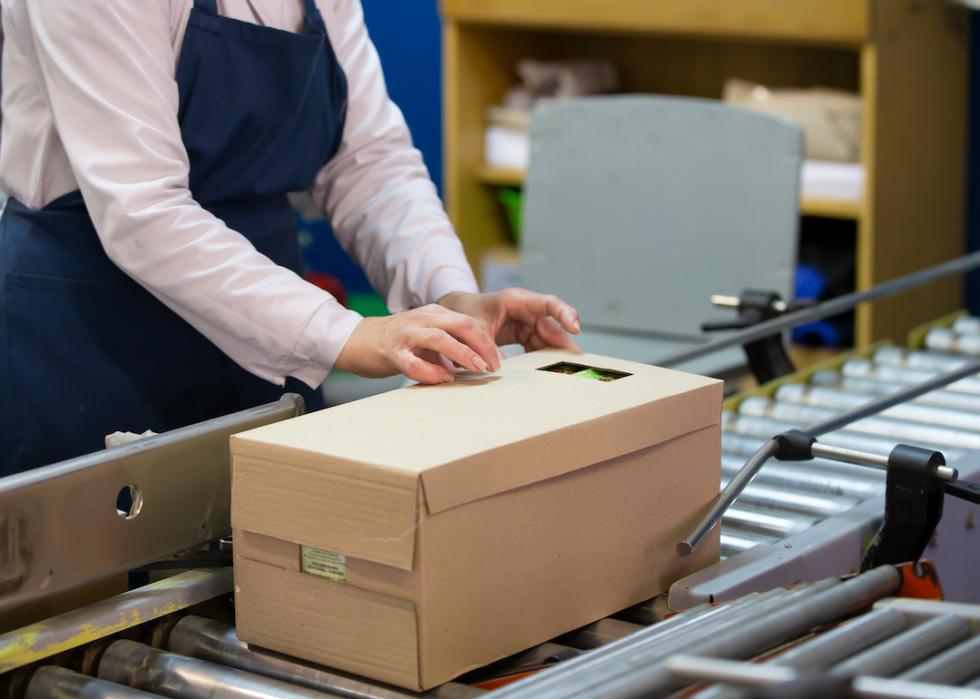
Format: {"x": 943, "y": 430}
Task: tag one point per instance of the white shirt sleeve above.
{"x": 108, "y": 74}
{"x": 376, "y": 191}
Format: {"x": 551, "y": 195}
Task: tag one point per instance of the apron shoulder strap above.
{"x": 209, "y": 6}
{"x": 312, "y": 19}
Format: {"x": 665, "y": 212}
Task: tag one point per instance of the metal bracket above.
{"x": 60, "y": 527}
{"x": 767, "y": 356}
{"x": 913, "y": 507}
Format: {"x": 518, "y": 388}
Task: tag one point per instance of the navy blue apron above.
{"x": 85, "y": 350}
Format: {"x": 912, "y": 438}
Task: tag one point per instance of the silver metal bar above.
{"x": 834, "y": 646}
{"x": 827, "y": 308}
{"x": 913, "y": 411}
{"x": 880, "y": 688}
{"x": 901, "y": 430}
{"x": 724, "y": 501}
{"x": 59, "y": 523}
{"x": 720, "y": 624}
{"x": 909, "y": 647}
{"x": 642, "y": 673}
{"x": 743, "y": 442}
{"x": 808, "y": 477}
{"x": 686, "y": 626}
{"x": 723, "y": 301}
{"x": 106, "y": 618}
{"x": 761, "y": 495}
{"x": 776, "y": 524}
{"x": 762, "y": 426}
{"x": 953, "y": 666}
{"x": 178, "y": 676}
{"x": 862, "y": 368}
{"x": 829, "y": 648}
{"x": 214, "y": 642}
{"x": 851, "y": 456}
{"x": 918, "y": 359}
{"x": 967, "y": 325}
{"x": 52, "y": 682}
{"x": 942, "y": 472}
{"x": 687, "y": 669}
{"x": 871, "y": 387}
{"x": 742, "y": 445}
{"x": 925, "y": 609}
{"x": 946, "y": 340}
{"x": 696, "y": 668}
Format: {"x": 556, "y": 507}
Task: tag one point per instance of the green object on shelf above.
{"x": 512, "y": 200}
{"x": 367, "y": 304}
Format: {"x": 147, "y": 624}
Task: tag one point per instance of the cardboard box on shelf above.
{"x": 421, "y": 533}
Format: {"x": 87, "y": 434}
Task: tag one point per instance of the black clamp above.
{"x": 767, "y": 357}
{"x": 913, "y": 507}
{"x": 794, "y": 445}
{"x": 915, "y": 488}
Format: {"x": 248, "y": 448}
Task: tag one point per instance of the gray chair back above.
{"x": 638, "y": 208}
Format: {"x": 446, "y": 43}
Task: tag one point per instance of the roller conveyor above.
{"x": 947, "y": 420}
{"x": 911, "y": 648}
{"x": 797, "y": 520}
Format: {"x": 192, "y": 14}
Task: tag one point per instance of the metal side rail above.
{"x": 178, "y": 485}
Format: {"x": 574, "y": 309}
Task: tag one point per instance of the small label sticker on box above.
{"x": 326, "y": 564}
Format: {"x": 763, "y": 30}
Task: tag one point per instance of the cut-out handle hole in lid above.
{"x": 129, "y": 501}
{"x": 585, "y": 372}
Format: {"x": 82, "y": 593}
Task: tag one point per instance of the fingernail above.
{"x": 578, "y": 328}
{"x": 479, "y": 363}
{"x": 448, "y": 378}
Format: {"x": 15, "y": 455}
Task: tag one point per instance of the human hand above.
{"x": 520, "y": 316}
{"x": 414, "y": 342}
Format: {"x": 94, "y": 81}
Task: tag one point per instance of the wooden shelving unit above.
{"x": 907, "y": 59}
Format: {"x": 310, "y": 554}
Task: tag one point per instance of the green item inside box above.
{"x": 585, "y": 372}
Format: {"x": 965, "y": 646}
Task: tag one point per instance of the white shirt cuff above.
{"x": 324, "y": 339}
{"x": 447, "y": 280}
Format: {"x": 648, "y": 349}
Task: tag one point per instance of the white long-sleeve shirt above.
{"x": 90, "y": 103}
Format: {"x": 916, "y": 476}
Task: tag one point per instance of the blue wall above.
{"x": 407, "y": 34}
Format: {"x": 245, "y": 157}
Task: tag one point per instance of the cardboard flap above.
{"x": 562, "y": 451}
{"x": 358, "y": 512}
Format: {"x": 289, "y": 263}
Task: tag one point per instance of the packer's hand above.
{"x": 520, "y": 316}
{"x": 414, "y": 342}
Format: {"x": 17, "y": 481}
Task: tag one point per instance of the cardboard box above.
{"x": 418, "y": 534}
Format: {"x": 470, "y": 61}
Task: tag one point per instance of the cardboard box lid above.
{"x": 483, "y": 435}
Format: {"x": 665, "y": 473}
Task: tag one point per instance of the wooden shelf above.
{"x": 830, "y": 21}
{"x": 809, "y": 206}
{"x": 501, "y": 177}
{"x": 830, "y": 208}
{"x": 908, "y": 61}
